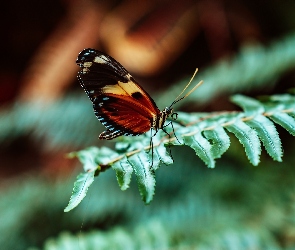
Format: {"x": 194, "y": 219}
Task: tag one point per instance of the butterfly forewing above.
{"x": 118, "y": 101}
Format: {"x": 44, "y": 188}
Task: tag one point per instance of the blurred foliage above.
{"x": 68, "y": 120}
{"x": 253, "y": 68}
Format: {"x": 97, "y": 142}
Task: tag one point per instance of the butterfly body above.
{"x": 119, "y": 102}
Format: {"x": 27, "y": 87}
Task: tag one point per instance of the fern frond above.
{"x": 144, "y": 175}
{"x": 205, "y": 134}
{"x": 219, "y": 141}
{"x": 123, "y": 172}
{"x": 202, "y": 148}
{"x": 151, "y": 235}
{"x": 248, "y": 137}
{"x": 240, "y": 238}
{"x": 286, "y": 121}
{"x": 269, "y": 136}
{"x": 154, "y": 235}
{"x": 84, "y": 180}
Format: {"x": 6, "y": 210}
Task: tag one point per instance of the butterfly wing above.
{"x": 121, "y": 115}
{"x": 121, "y": 105}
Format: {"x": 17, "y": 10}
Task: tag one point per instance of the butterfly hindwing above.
{"x": 121, "y": 105}
{"x": 121, "y": 116}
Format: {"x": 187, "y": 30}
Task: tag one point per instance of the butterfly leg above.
{"x": 151, "y": 140}
{"x": 170, "y": 153}
{"x": 174, "y": 133}
{"x": 152, "y": 147}
{"x": 170, "y": 123}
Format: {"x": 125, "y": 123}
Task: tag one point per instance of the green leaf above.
{"x": 123, "y": 172}
{"x": 248, "y": 138}
{"x": 92, "y": 157}
{"x": 87, "y": 158}
{"x": 163, "y": 155}
{"x": 202, "y": 148}
{"x": 249, "y": 105}
{"x": 219, "y": 140}
{"x": 268, "y": 135}
{"x": 285, "y": 98}
{"x": 144, "y": 174}
{"x": 81, "y": 185}
{"x": 286, "y": 121}
{"x": 190, "y": 117}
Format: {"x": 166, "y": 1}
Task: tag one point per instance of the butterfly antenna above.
{"x": 191, "y": 91}
{"x": 186, "y": 85}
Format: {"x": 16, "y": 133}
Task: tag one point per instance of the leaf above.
{"x": 87, "y": 158}
{"x": 163, "y": 155}
{"x": 248, "y": 138}
{"x": 81, "y": 185}
{"x": 144, "y": 174}
{"x": 268, "y": 135}
{"x": 219, "y": 140}
{"x": 123, "y": 172}
{"x": 92, "y": 157}
{"x": 286, "y": 121}
{"x": 202, "y": 148}
{"x": 249, "y": 105}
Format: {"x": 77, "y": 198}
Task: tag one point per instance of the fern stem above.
{"x": 165, "y": 139}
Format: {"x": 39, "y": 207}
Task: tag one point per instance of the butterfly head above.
{"x": 169, "y": 112}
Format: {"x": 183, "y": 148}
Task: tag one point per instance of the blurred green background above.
{"x": 245, "y": 47}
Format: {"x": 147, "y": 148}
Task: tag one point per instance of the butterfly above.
{"x": 119, "y": 102}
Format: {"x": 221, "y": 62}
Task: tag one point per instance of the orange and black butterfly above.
{"x": 119, "y": 102}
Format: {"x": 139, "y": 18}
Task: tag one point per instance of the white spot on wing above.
{"x": 87, "y": 64}
{"x": 101, "y": 59}
{"x": 85, "y": 70}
